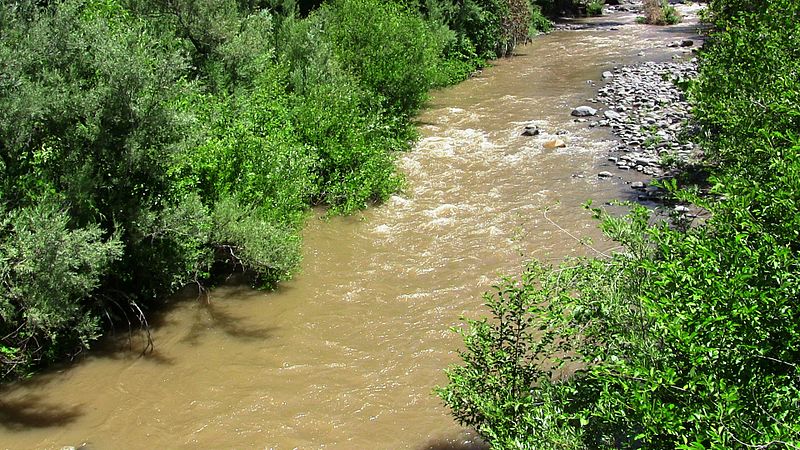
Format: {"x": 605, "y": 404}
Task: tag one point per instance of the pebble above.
{"x": 605, "y": 174}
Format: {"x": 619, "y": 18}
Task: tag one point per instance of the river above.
{"x": 346, "y": 355}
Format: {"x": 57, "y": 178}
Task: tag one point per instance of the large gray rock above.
{"x": 531, "y": 130}
{"x": 584, "y": 111}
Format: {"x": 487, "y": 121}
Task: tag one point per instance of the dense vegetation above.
{"x": 659, "y": 12}
{"x": 689, "y": 337}
{"x": 147, "y": 144}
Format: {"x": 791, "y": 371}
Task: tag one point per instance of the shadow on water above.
{"x": 591, "y": 24}
{"x": 213, "y": 317}
{"x": 33, "y": 412}
{"x": 693, "y": 31}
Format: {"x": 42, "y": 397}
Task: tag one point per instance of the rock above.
{"x": 687, "y": 43}
{"x": 638, "y": 185}
{"x": 554, "y": 143}
{"x": 642, "y": 161}
{"x": 674, "y": 44}
{"x": 584, "y": 111}
{"x": 607, "y": 75}
{"x": 681, "y": 209}
{"x": 531, "y": 130}
{"x": 605, "y": 174}
{"x": 611, "y": 115}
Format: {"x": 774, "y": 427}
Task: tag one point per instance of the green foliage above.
{"x": 595, "y": 7}
{"x": 343, "y": 123}
{"x": 539, "y": 23}
{"x": 659, "y": 12}
{"x": 354, "y": 142}
{"x": 749, "y": 88}
{"x": 387, "y": 47}
{"x": 243, "y": 238}
{"x": 95, "y": 125}
{"x": 46, "y": 271}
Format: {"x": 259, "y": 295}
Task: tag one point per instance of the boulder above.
{"x": 584, "y": 111}
{"x": 530, "y": 130}
{"x": 554, "y": 143}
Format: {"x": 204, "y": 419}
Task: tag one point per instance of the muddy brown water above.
{"x": 346, "y": 355}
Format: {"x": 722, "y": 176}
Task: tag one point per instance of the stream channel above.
{"x": 346, "y": 354}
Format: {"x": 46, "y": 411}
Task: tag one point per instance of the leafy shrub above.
{"x": 659, "y": 12}
{"x": 354, "y": 142}
{"x": 595, "y": 7}
{"x": 47, "y": 271}
{"x": 749, "y": 86}
{"x": 95, "y": 124}
{"x": 387, "y": 47}
{"x": 686, "y": 347}
{"x": 244, "y": 239}
{"x": 539, "y": 23}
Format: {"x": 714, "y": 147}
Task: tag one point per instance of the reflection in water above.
{"x": 347, "y": 354}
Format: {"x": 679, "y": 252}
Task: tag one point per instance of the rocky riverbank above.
{"x": 644, "y": 105}
{"x": 648, "y": 112}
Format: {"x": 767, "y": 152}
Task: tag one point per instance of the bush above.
{"x": 749, "y": 89}
{"x": 47, "y": 271}
{"x": 659, "y": 12}
{"x": 387, "y": 47}
{"x": 595, "y": 7}
{"x": 245, "y": 240}
{"x": 96, "y": 124}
